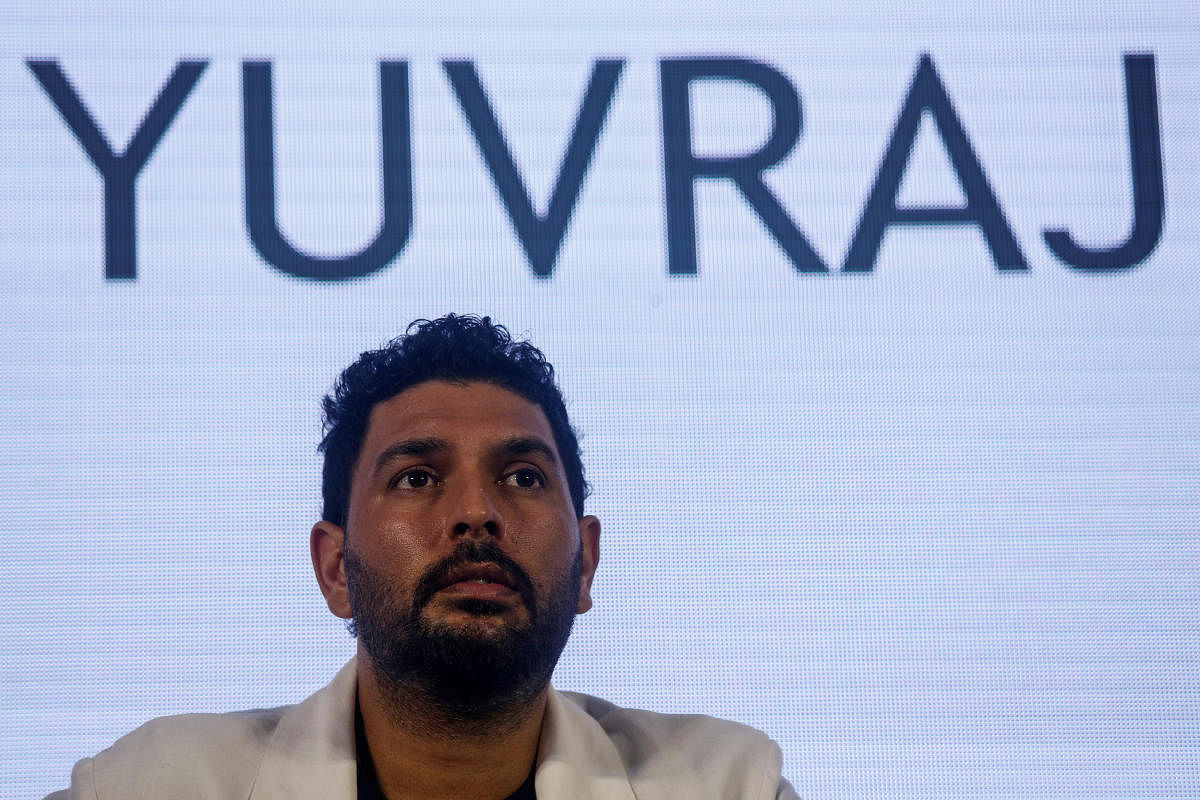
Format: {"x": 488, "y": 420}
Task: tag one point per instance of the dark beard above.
{"x": 466, "y": 675}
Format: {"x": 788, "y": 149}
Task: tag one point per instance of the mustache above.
{"x": 469, "y": 551}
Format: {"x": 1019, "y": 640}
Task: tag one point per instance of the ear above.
{"x": 589, "y": 540}
{"x": 326, "y": 544}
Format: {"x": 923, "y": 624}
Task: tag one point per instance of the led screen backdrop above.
{"x": 879, "y": 323}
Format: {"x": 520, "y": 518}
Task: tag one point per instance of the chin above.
{"x": 480, "y": 608}
{"x": 477, "y": 617}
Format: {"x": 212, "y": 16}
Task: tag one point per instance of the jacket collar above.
{"x": 576, "y": 758}
{"x": 311, "y": 754}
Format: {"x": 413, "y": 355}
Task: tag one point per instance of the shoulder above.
{"x": 190, "y": 755}
{"x": 690, "y": 733}
{"x": 726, "y": 758}
{"x": 305, "y": 750}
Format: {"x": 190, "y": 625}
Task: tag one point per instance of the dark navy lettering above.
{"x": 928, "y": 94}
{"x": 261, "y": 203}
{"x": 119, "y": 172}
{"x": 682, "y": 166}
{"x": 1145, "y": 160}
{"x": 540, "y": 236}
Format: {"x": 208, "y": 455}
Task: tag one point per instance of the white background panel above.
{"x": 931, "y": 527}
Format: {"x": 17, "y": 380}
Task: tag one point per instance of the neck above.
{"x": 422, "y": 751}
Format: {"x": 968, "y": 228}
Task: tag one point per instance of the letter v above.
{"x": 541, "y": 236}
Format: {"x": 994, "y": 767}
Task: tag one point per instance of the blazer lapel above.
{"x": 311, "y": 754}
{"x": 576, "y": 758}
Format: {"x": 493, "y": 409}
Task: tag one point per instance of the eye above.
{"x": 525, "y": 478}
{"x": 417, "y": 478}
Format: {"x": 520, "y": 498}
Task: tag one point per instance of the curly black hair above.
{"x": 456, "y": 348}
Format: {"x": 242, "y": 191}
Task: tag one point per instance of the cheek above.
{"x": 548, "y": 545}
{"x": 394, "y": 548}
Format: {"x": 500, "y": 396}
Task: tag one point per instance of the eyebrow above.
{"x": 409, "y": 448}
{"x": 528, "y": 445}
{"x": 513, "y": 447}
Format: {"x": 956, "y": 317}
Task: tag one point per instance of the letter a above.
{"x": 928, "y": 94}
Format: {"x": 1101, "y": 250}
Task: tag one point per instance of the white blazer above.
{"x": 589, "y": 750}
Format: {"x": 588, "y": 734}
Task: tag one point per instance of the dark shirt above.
{"x": 368, "y": 781}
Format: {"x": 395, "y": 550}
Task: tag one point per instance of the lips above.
{"x": 480, "y": 583}
{"x": 478, "y": 570}
{"x": 480, "y": 574}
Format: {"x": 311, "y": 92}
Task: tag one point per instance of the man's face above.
{"x": 464, "y": 562}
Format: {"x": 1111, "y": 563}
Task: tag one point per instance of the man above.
{"x": 454, "y": 541}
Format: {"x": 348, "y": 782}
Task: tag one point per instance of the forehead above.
{"x": 465, "y": 415}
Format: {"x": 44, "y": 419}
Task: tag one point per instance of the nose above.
{"x": 474, "y": 511}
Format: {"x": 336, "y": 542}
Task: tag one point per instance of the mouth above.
{"x": 475, "y": 575}
{"x": 482, "y": 581}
